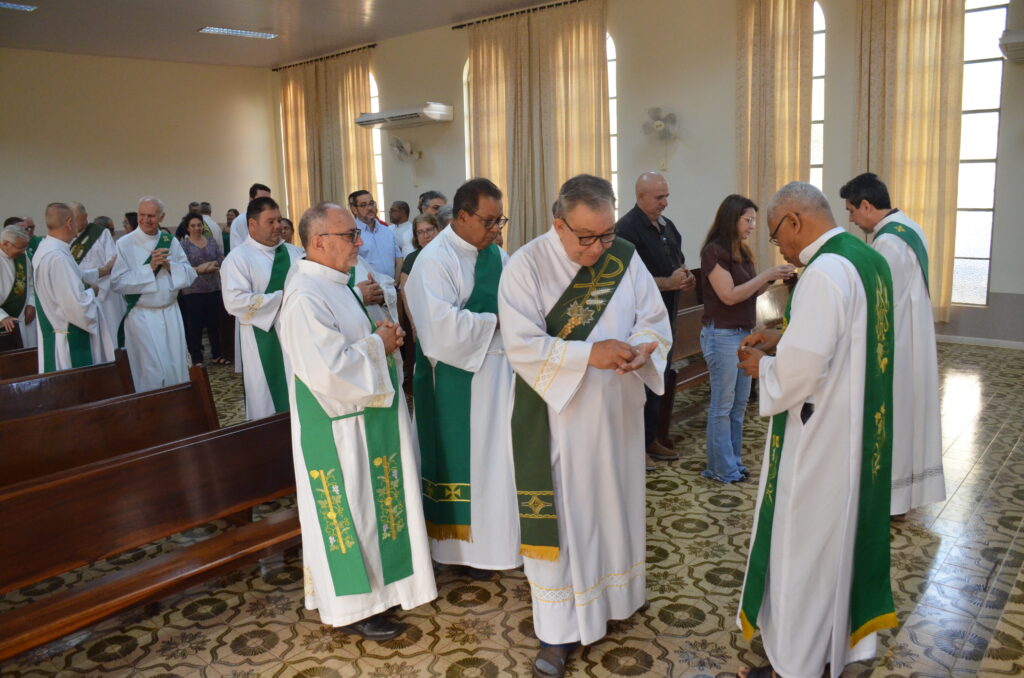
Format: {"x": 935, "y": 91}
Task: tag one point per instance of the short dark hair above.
{"x": 868, "y": 187}
{"x": 258, "y": 187}
{"x": 427, "y": 196}
{"x": 354, "y": 195}
{"x": 587, "y": 189}
{"x": 258, "y": 206}
{"x": 288, "y": 221}
{"x": 13, "y": 220}
{"x": 193, "y": 206}
{"x": 133, "y": 219}
{"x": 205, "y": 207}
{"x": 467, "y": 198}
{"x": 402, "y": 205}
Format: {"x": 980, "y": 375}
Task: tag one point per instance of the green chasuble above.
{"x": 871, "y": 603}
{"x": 443, "y": 396}
{"x": 81, "y": 245}
{"x": 572, "y": 318}
{"x": 33, "y": 245}
{"x": 14, "y": 304}
{"x": 384, "y": 458}
{"x": 271, "y": 358}
{"x": 913, "y": 240}
{"x": 131, "y": 299}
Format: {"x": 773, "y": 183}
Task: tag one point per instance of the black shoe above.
{"x": 377, "y": 627}
{"x": 473, "y": 573}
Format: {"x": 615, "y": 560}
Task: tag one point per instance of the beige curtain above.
{"x": 773, "y": 94}
{"x": 326, "y": 155}
{"x": 908, "y": 120}
{"x": 531, "y": 126}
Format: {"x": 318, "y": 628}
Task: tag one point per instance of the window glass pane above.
{"x": 981, "y": 33}
{"x": 973, "y": 234}
{"x": 982, "y": 85}
{"x": 974, "y": 4}
{"x": 970, "y": 281}
{"x": 609, "y": 46}
{"x": 378, "y": 167}
{"x": 817, "y": 143}
{"x": 977, "y": 185}
{"x": 611, "y": 79}
{"x": 373, "y": 87}
{"x": 979, "y": 134}
{"x": 613, "y": 116}
{"x": 818, "y": 60}
{"x": 615, "y": 153}
{"x": 816, "y": 173}
{"x": 376, "y": 141}
{"x": 819, "y": 17}
{"x": 818, "y": 99}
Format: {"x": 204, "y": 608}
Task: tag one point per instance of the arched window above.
{"x": 818, "y": 98}
{"x": 984, "y": 22}
{"x": 613, "y": 121}
{"x": 378, "y": 154}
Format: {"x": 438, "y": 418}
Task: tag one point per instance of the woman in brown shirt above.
{"x": 730, "y": 286}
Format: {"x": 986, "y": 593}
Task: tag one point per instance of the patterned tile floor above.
{"x": 957, "y": 575}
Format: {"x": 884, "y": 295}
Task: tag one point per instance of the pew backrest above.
{"x": 771, "y": 306}
{"x": 39, "y": 393}
{"x": 10, "y": 341}
{"x": 20, "y": 363}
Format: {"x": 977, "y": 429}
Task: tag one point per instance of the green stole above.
{"x": 84, "y": 241}
{"x": 15, "y": 302}
{"x": 225, "y": 238}
{"x": 132, "y": 299}
{"x": 913, "y": 240}
{"x": 572, "y": 318}
{"x": 267, "y": 343}
{"x": 33, "y": 245}
{"x": 384, "y": 456}
{"x": 79, "y": 342}
{"x": 443, "y": 402}
{"x": 871, "y": 603}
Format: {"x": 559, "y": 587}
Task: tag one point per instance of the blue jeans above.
{"x": 730, "y": 390}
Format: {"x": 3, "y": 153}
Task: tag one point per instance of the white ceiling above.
{"x": 166, "y": 29}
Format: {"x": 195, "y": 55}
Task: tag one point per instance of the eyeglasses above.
{"x": 490, "y": 223}
{"x": 364, "y": 205}
{"x": 588, "y": 240}
{"x": 771, "y": 236}
{"x": 750, "y": 220}
{"x": 426, "y": 231}
{"x": 352, "y": 235}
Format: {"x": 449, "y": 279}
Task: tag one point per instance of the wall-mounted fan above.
{"x": 661, "y": 125}
{"x": 403, "y": 150}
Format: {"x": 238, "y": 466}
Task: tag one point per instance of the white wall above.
{"x": 105, "y": 131}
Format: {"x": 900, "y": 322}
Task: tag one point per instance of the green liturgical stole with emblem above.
{"x": 14, "y": 304}
{"x": 33, "y": 245}
{"x": 572, "y": 318}
{"x": 82, "y": 243}
{"x": 384, "y": 459}
{"x": 443, "y": 396}
{"x": 914, "y": 242}
{"x": 871, "y": 603}
{"x": 131, "y": 299}
{"x": 79, "y": 342}
{"x": 267, "y": 343}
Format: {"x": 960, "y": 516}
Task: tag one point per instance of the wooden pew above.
{"x": 62, "y": 521}
{"x": 10, "y": 341}
{"x": 54, "y": 441}
{"x": 20, "y": 363}
{"x": 38, "y": 393}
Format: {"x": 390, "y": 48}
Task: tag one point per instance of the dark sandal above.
{"x": 554, "y": 657}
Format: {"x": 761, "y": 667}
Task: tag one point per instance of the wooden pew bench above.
{"x": 65, "y": 520}
{"x": 11, "y": 341}
{"x": 49, "y": 442}
{"x": 39, "y": 393}
{"x": 20, "y": 363}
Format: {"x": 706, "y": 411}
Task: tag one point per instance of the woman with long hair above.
{"x": 730, "y": 288}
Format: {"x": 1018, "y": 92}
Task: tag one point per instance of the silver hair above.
{"x": 77, "y": 208}
{"x": 13, "y": 234}
{"x": 445, "y": 215}
{"x": 312, "y": 218}
{"x": 594, "y": 192}
{"x": 156, "y": 201}
{"x": 802, "y": 196}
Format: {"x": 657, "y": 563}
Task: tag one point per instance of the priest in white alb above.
{"x": 462, "y": 388}
{"x": 17, "y": 302}
{"x": 364, "y": 543}
{"x": 917, "y": 476}
{"x": 817, "y": 581}
{"x": 94, "y": 250}
{"x": 585, "y": 329}
{"x": 238, "y": 231}
{"x": 149, "y": 270}
{"x": 252, "y": 283}
{"x": 72, "y": 331}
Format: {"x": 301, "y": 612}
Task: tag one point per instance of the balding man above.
{"x": 150, "y": 269}
{"x": 72, "y": 332}
{"x": 17, "y": 304}
{"x": 659, "y": 247}
{"x": 94, "y": 250}
{"x": 239, "y": 228}
{"x": 352, "y": 441}
{"x": 817, "y": 582}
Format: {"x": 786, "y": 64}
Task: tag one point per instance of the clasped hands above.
{"x": 754, "y": 347}
{"x": 158, "y": 258}
{"x": 612, "y": 354}
{"x": 392, "y": 335}
{"x": 682, "y": 279}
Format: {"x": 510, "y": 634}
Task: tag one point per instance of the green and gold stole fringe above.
{"x": 913, "y": 240}
{"x": 33, "y": 245}
{"x": 84, "y": 241}
{"x": 79, "y": 342}
{"x": 871, "y": 603}
{"x": 130, "y": 300}
{"x": 445, "y": 396}
{"x": 14, "y": 304}
{"x": 572, "y": 318}
{"x": 267, "y": 343}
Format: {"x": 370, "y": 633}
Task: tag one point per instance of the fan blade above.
{"x": 670, "y": 119}
{"x": 648, "y": 127}
{"x": 654, "y": 113}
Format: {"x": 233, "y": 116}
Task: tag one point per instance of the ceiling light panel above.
{"x": 238, "y": 33}
{"x": 20, "y": 8}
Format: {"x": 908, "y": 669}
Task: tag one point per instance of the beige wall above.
{"x": 105, "y": 131}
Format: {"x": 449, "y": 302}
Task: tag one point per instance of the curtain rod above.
{"x": 528, "y": 10}
{"x": 329, "y": 56}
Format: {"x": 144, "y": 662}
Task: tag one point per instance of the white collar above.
{"x": 807, "y": 253}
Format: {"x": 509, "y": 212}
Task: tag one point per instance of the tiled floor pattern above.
{"x": 956, "y": 576}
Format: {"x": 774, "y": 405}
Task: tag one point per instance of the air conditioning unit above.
{"x": 426, "y": 114}
{"x": 1012, "y": 44}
